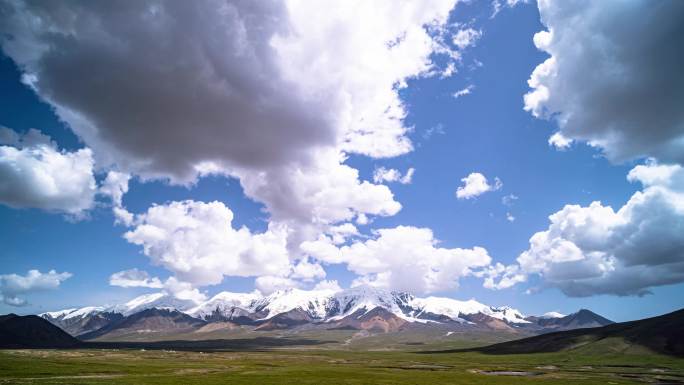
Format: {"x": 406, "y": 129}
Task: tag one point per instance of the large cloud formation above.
{"x": 164, "y": 86}
{"x": 12, "y": 286}
{"x": 597, "y": 250}
{"x": 614, "y": 78}
{"x": 402, "y": 258}
{"x": 35, "y": 174}
{"x": 196, "y": 241}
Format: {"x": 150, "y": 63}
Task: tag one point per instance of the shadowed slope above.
{"x": 32, "y": 332}
{"x": 663, "y": 334}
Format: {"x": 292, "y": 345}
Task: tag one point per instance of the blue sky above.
{"x": 486, "y": 131}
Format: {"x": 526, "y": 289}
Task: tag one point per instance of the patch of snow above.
{"x": 84, "y": 311}
{"x": 57, "y": 314}
{"x": 553, "y": 314}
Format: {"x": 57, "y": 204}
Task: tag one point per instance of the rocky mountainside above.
{"x": 158, "y": 321}
{"x": 363, "y": 308}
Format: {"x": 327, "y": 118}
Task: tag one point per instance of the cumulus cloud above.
{"x": 36, "y": 174}
{"x": 197, "y": 242}
{"x": 310, "y": 198}
{"x": 307, "y": 271}
{"x": 475, "y": 185}
{"x": 498, "y": 276}
{"x": 12, "y": 286}
{"x": 613, "y": 78}
{"x": 134, "y": 278}
{"x": 559, "y": 141}
{"x": 268, "y": 284}
{"x": 331, "y": 285}
{"x": 402, "y": 258}
{"x": 184, "y": 290}
{"x": 382, "y": 174}
{"x": 589, "y": 250}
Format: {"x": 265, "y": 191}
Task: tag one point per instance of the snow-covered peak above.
{"x": 160, "y": 300}
{"x": 553, "y": 314}
{"x": 57, "y": 314}
{"x": 72, "y": 313}
{"x": 225, "y": 301}
{"x": 366, "y": 298}
{"x": 449, "y": 307}
{"x": 508, "y": 314}
{"x": 313, "y": 302}
{"x": 84, "y": 311}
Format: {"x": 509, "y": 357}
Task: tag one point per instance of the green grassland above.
{"x": 318, "y": 365}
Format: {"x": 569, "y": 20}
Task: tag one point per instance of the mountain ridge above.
{"x": 294, "y": 308}
{"x": 662, "y": 334}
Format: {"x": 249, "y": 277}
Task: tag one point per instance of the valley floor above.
{"x": 314, "y": 366}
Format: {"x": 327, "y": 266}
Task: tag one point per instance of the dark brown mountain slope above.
{"x": 32, "y": 332}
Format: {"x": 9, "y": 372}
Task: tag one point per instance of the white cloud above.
{"x": 36, "y": 174}
{"x": 134, "y": 278}
{"x": 307, "y": 271}
{"x": 382, "y": 174}
{"x": 340, "y": 233}
{"x": 559, "y": 141}
{"x": 589, "y": 250}
{"x": 308, "y": 199}
{"x": 196, "y": 241}
{"x": 402, "y": 258}
{"x": 466, "y": 37}
{"x": 13, "y": 285}
{"x": 475, "y": 185}
{"x": 510, "y": 217}
{"x": 184, "y": 290}
{"x": 629, "y": 103}
{"x": 463, "y": 92}
{"x": 269, "y": 284}
{"x": 331, "y": 285}
{"x": 507, "y": 276}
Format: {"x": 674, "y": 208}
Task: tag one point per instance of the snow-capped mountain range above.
{"x": 314, "y": 306}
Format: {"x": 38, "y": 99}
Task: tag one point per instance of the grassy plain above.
{"x": 325, "y": 366}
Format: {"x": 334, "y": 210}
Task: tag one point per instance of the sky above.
{"x": 519, "y": 153}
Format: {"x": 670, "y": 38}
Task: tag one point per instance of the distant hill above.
{"x": 32, "y": 332}
{"x": 582, "y": 319}
{"x": 663, "y": 334}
